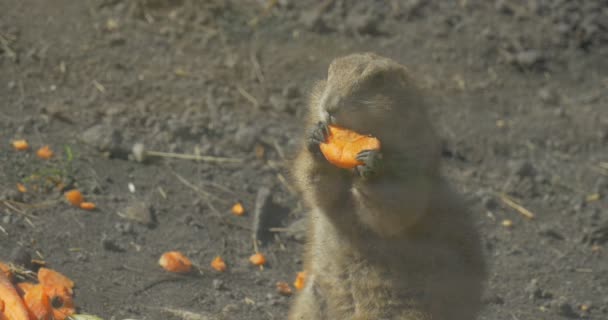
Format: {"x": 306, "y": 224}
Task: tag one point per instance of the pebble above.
{"x": 245, "y": 137}
{"x": 138, "y": 211}
{"x": 218, "y": 284}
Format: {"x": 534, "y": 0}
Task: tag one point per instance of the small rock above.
{"x": 528, "y": 58}
{"x": 525, "y": 169}
{"x": 245, "y": 137}
{"x": 123, "y": 227}
{"x": 490, "y": 203}
{"x": 21, "y": 257}
{"x": 105, "y": 139}
{"x": 218, "y": 284}
{"x": 535, "y": 292}
{"x": 111, "y": 245}
{"x": 138, "y": 211}
{"x": 548, "y": 96}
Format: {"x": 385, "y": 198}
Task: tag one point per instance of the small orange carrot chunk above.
{"x": 258, "y": 259}
{"x": 74, "y": 197}
{"x": 52, "y": 278}
{"x": 62, "y": 302}
{"x": 14, "y": 309}
{"x": 24, "y": 287}
{"x": 343, "y": 145}
{"x": 237, "y": 209}
{"x": 87, "y": 206}
{"x": 44, "y": 153}
{"x": 20, "y": 145}
{"x": 300, "y": 280}
{"x": 21, "y": 188}
{"x": 218, "y": 264}
{"x": 175, "y": 261}
{"x": 4, "y": 268}
{"x": 38, "y": 303}
{"x": 283, "y": 288}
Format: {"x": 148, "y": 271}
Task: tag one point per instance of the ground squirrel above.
{"x": 388, "y": 239}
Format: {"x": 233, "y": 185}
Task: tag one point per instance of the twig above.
{"x": 248, "y": 96}
{"x": 287, "y": 186}
{"x": 193, "y": 157}
{"x": 3, "y": 230}
{"x": 279, "y": 149}
{"x": 508, "y": 201}
{"x": 207, "y": 195}
{"x": 257, "y": 69}
{"x": 99, "y": 86}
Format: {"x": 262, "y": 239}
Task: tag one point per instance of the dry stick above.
{"x": 3, "y": 230}
{"x": 248, "y": 96}
{"x": 257, "y": 69}
{"x": 193, "y": 157}
{"x": 525, "y": 212}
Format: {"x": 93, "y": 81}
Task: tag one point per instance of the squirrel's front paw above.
{"x": 318, "y": 135}
{"x": 372, "y": 163}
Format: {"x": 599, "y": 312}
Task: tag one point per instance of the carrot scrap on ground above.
{"x": 74, "y": 197}
{"x": 52, "y": 278}
{"x": 14, "y": 309}
{"x": 258, "y": 259}
{"x": 62, "y": 302}
{"x": 20, "y": 145}
{"x": 175, "y": 261}
{"x": 88, "y": 206}
{"x": 237, "y": 209}
{"x": 21, "y": 188}
{"x": 300, "y": 280}
{"x": 44, "y": 153}
{"x": 4, "y": 268}
{"x": 343, "y": 145}
{"x": 284, "y": 288}
{"x": 24, "y": 287}
{"x": 38, "y": 303}
{"x": 218, "y": 264}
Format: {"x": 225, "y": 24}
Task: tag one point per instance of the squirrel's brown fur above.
{"x": 398, "y": 244}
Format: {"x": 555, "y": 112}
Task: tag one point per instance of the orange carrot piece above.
{"x": 52, "y": 278}
{"x": 45, "y": 153}
{"x": 300, "y": 280}
{"x": 258, "y": 259}
{"x": 74, "y": 197}
{"x": 62, "y": 302}
{"x": 21, "y": 188}
{"x": 20, "y": 145}
{"x": 38, "y": 303}
{"x": 4, "y": 268}
{"x": 237, "y": 209}
{"x": 343, "y": 145}
{"x": 24, "y": 287}
{"x": 88, "y": 206}
{"x": 218, "y": 264}
{"x": 14, "y": 309}
{"x": 175, "y": 261}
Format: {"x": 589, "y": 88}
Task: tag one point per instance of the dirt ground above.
{"x": 519, "y": 93}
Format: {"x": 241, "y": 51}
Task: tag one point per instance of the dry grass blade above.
{"x": 519, "y": 208}
{"x": 248, "y": 96}
{"x": 194, "y": 157}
